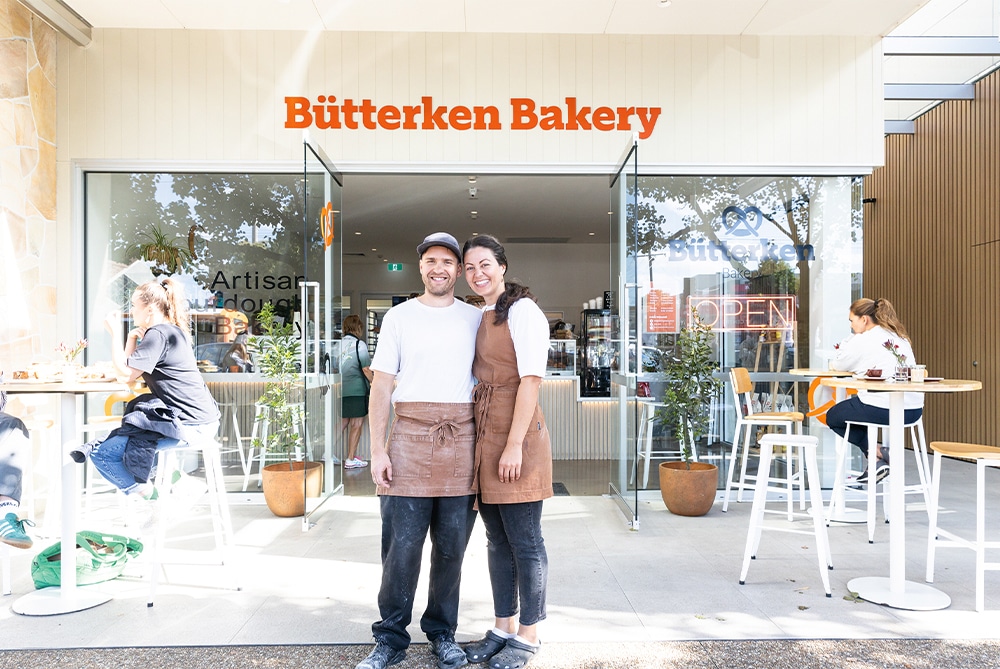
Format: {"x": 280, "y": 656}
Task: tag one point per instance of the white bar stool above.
{"x": 985, "y": 456}
{"x": 746, "y": 420}
{"x": 258, "y": 440}
{"x": 647, "y": 418}
{"x": 837, "y": 498}
{"x": 222, "y": 524}
{"x": 5, "y": 561}
{"x": 808, "y": 446}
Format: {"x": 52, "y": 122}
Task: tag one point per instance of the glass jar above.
{"x": 902, "y": 373}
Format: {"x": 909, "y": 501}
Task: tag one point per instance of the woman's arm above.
{"x": 119, "y": 354}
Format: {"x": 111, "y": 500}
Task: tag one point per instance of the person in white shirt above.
{"x": 423, "y": 470}
{"x": 878, "y": 338}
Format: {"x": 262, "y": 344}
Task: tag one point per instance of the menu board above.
{"x": 661, "y": 312}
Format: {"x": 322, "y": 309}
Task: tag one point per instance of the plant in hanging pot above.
{"x": 276, "y": 352}
{"x": 687, "y": 487}
{"x": 166, "y": 253}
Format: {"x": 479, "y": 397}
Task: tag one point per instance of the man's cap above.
{"x": 441, "y": 239}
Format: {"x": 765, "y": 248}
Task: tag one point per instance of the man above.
{"x": 424, "y": 473}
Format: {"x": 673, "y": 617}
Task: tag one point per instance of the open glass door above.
{"x": 319, "y": 320}
{"x": 624, "y": 473}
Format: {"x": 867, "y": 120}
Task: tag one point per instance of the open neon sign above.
{"x": 746, "y": 313}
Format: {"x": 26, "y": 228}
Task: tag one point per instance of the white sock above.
{"x": 526, "y": 642}
{"x": 504, "y": 635}
{"x": 8, "y": 505}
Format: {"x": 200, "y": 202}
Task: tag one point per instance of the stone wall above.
{"x": 28, "y": 236}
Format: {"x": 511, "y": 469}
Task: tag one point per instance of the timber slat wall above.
{"x": 932, "y": 244}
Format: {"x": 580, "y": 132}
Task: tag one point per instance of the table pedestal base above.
{"x": 52, "y": 601}
{"x": 915, "y": 596}
{"x": 846, "y": 514}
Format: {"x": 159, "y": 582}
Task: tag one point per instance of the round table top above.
{"x": 823, "y": 373}
{"x": 942, "y": 386}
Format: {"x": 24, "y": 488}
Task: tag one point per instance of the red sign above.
{"x": 661, "y": 312}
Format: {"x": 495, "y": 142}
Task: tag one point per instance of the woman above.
{"x": 159, "y": 350}
{"x": 513, "y": 453}
{"x": 356, "y": 387}
{"x": 876, "y": 329}
{"x": 237, "y": 358}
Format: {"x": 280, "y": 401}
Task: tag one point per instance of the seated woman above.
{"x": 15, "y": 454}
{"x": 876, "y": 328}
{"x": 237, "y": 358}
{"x": 180, "y": 406}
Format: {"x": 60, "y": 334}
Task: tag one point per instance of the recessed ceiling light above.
{"x": 591, "y": 233}
{"x": 665, "y": 3}
{"x": 472, "y": 180}
{"x": 374, "y": 249}
{"x": 358, "y": 233}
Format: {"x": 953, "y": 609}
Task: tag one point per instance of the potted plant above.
{"x": 276, "y": 352}
{"x": 688, "y": 488}
{"x": 166, "y": 254}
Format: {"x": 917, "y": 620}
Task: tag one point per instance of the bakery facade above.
{"x": 738, "y": 192}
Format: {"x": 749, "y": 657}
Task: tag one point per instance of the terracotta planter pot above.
{"x": 283, "y": 491}
{"x": 688, "y": 492}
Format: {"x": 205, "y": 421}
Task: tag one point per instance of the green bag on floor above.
{"x": 100, "y": 557}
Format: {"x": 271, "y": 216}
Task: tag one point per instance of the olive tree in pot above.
{"x": 276, "y": 353}
{"x": 687, "y": 487}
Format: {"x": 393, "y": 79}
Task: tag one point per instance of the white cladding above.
{"x": 219, "y": 96}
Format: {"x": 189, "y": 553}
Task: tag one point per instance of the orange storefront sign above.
{"x": 661, "y": 312}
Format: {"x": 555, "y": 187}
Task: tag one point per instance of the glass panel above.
{"x": 322, "y": 303}
{"x": 234, "y": 240}
{"x": 771, "y": 263}
{"x": 622, "y": 368}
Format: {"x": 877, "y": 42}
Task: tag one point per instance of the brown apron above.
{"x": 495, "y": 367}
{"x": 432, "y": 450}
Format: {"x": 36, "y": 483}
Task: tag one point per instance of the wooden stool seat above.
{"x": 984, "y": 456}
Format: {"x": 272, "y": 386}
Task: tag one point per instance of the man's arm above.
{"x": 379, "y": 408}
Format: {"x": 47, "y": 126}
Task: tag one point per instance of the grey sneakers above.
{"x": 383, "y": 656}
{"x": 448, "y": 653}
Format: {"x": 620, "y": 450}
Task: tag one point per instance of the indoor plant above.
{"x": 688, "y": 488}
{"x": 276, "y": 352}
{"x": 166, "y": 254}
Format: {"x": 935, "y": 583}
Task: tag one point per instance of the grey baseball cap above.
{"x": 441, "y": 239}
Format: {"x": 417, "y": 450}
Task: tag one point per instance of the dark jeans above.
{"x": 519, "y": 565}
{"x": 405, "y": 522}
{"x": 853, "y": 409}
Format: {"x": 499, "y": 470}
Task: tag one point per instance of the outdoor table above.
{"x": 896, "y": 591}
{"x": 68, "y": 597}
{"x": 839, "y": 511}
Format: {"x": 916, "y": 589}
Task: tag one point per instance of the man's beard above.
{"x": 440, "y": 289}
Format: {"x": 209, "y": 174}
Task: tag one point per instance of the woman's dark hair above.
{"x": 882, "y": 313}
{"x": 513, "y": 289}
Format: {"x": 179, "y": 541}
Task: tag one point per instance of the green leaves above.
{"x": 276, "y": 353}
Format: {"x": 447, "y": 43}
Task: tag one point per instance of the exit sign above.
{"x": 395, "y": 266}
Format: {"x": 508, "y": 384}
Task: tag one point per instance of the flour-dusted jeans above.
{"x": 406, "y": 522}
{"x": 519, "y": 565}
{"x": 107, "y": 457}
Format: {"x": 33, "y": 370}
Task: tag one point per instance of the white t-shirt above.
{"x": 861, "y": 352}
{"x": 530, "y": 331}
{"x": 429, "y": 350}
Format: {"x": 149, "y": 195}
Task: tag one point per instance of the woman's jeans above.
{"x": 853, "y": 409}
{"x": 405, "y": 524}
{"x": 519, "y": 566}
{"x": 107, "y": 457}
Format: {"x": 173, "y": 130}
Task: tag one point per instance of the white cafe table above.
{"x": 838, "y": 512}
{"x": 68, "y": 597}
{"x": 895, "y": 590}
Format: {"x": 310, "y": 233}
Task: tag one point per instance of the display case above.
{"x": 562, "y": 358}
{"x": 597, "y": 352}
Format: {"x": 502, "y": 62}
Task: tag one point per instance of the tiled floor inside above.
{"x": 674, "y": 579}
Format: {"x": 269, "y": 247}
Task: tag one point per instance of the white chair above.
{"x": 240, "y": 444}
{"x": 843, "y": 455}
{"x": 647, "y": 419}
{"x": 222, "y": 524}
{"x": 259, "y": 433}
{"x": 5, "y": 562}
{"x": 807, "y": 445}
{"x": 985, "y": 456}
{"x": 746, "y": 420}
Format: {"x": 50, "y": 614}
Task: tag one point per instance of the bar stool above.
{"x": 258, "y": 440}
{"x": 222, "y": 524}
{"x": 746, "y": 419}
{"x": 647, "y": 418}
{"x": 807, "y": 446}
{"x": 5, "y": 562}
{"x": 985, "y": 456}
{"x": 919, "y": 445}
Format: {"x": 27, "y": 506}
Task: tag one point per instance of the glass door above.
{"x": 319, "y": 316}
{"x": 625, "y": 473}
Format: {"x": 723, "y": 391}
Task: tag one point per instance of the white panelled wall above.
{"x": 189, "y": 95}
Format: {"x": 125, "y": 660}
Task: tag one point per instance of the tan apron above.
{"x": 432, "y": 450}
{"x": 495, "y": 367}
